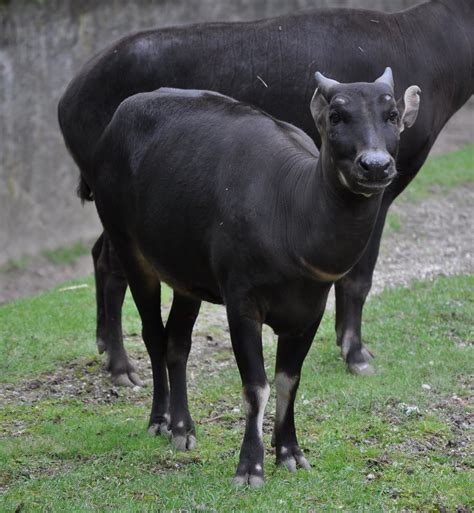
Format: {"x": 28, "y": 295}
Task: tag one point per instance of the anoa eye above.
{"x": 335, "y": 118}
{"x": 393, "y": 116}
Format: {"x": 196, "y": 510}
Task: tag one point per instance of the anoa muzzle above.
{"x": 361, "y": 123}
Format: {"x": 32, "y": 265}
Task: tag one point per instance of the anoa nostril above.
{"x": 364, "y": 164}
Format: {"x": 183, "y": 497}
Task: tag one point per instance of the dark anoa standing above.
{"x": 227, "y": 204}
{"x": 271, "y": 64}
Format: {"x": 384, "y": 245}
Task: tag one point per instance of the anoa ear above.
{"x": 317, "y": 105}
{"x": 319, "y": 100}
{"x": 408, "y": 107}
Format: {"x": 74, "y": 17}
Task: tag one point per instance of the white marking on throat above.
{"x": 342, "y": 178}
{"x": 321, "y": 275}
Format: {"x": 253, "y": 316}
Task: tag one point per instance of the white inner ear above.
{"x": 318, "y": 103}
{"x": 411, "y": 99}
{"x": 312, "y": 103}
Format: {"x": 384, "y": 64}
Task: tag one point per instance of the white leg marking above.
{"x": 263, "y": 396}
{"x": 283, "y": 450}
{"x": 258, "y": 466}
{"x": 284, "y": 386}
{"x": 180, "y": 424}
{"x": 262, "y": 393}
{"x": 349, "y": 335}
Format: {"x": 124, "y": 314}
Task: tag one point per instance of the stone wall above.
{"x": 42, "y": 45}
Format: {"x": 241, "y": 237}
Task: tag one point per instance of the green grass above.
{"x": 56, "y": 326}
{"x": 69, "y": 455}
{"x": 392, "y": 223}
{"x": 441, "y": 173}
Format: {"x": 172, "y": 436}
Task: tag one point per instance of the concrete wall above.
{"x": 42, "y": 45}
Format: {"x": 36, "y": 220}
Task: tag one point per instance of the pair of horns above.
{"x": 325, "y": 84}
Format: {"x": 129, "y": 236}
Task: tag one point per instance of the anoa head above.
{"x": 360, "y": 126}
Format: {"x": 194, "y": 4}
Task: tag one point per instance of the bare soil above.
{"x": 39, "y": 274}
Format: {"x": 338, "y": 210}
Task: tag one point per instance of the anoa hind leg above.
{"x": 145, "y": 286}
{"x": 111, "y": 285}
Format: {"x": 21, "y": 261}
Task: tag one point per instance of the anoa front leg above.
{"x": 291, "y": 352}
{"x": 246, "y": 336}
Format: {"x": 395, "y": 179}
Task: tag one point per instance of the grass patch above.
{"x": 62, "y": 256}
{"x": 393, "y": 222}
{"x": 440, "y": 173}
{"x": 382, "y": 443}
{"x": 69, "y": 254}
{"x": 56, "y": 326}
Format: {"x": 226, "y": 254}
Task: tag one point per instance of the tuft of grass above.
{"x": 16, "y": 264}
{"x": 69, "y": 254}
{"x": 62, "y": 256}
{"x": 392, "y": 222}
{"x": 381, "y": 443}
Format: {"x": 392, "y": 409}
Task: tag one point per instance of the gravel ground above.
{"x": 436, "y": 238}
